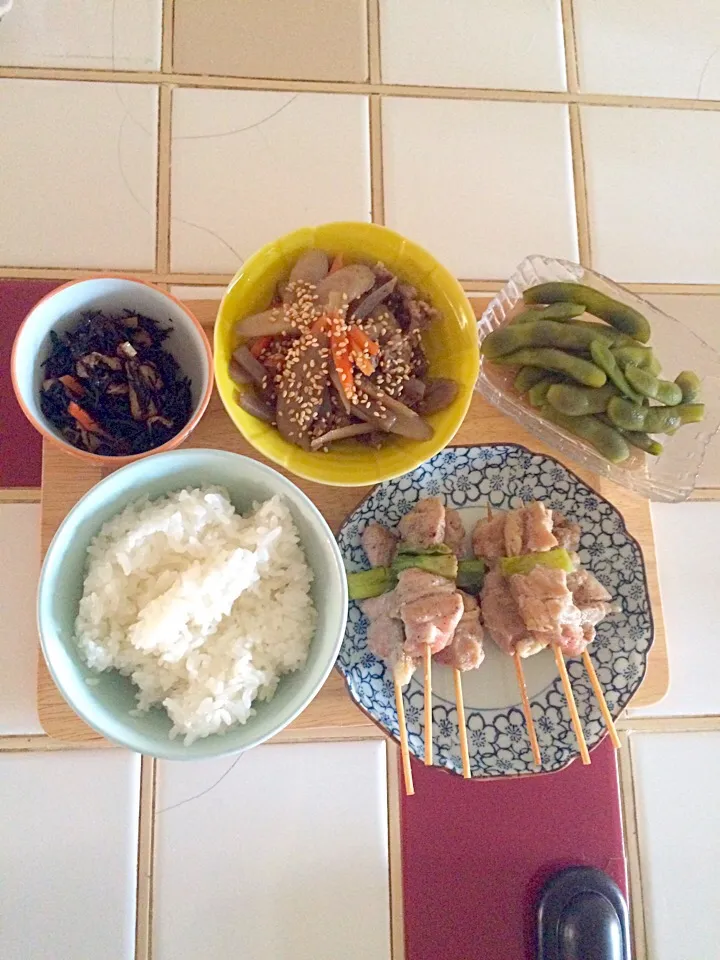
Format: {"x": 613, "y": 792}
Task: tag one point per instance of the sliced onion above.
{"x": 248, "y": 362}
{"x": 341, "y": 433}
{"x": 373, "y": 299}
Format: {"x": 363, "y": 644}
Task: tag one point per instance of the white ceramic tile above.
{"x": 78, "y": 174}
{"x": 100, "y": 35}
{"x": 248, "y": 167}
{"x": 653, "y": 193}
{"x": 19, "y": 568}
{"x": 197, "y": 293}
{"x": 515, "y": 44}
{"x": 686, "y": 545}
{"x": 286, "y": 855}
{"x": 701, "y": 314}
{"x": 68, "y": 836}
{"x": 480, "y": 184}
{"x": 677, "y": 779}
{"x": 653, "y": 48}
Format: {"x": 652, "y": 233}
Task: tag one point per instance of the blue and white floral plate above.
{"x": 506, "y": 476}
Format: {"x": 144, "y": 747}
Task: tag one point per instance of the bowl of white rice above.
{"x": 192, "y": 604}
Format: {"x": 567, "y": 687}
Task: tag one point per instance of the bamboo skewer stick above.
{"x": 428, "y": 707}
{"x": 600, "y": 696}
{"x": 572, "y": 707}
{"x": 404, "y": 746}
{"x": 462, "y": 729}
{"x": 527, "y": 710}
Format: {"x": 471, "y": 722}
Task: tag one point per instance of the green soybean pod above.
{"x": 603, "y": 357}
{"x": 604, "y": 438}
{"x": 538, "y": 393}
{"x": 689, "y": 383}
{"x": 555, "y": 311}
{"x": 602, "y": 331}
{"x": 662, "y": 419}
{"x": 636, "y": 438}
{"x": 574, "y": 367}
{"x": 624, "y": 318}
{"x": 638, "y": 355}
{"x": 539, "y": 333}
{"x": 574, "y": 401}
{"x": 528, "y": 377}
{"x": 664, "y": 391}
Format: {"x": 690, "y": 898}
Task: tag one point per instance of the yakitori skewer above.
{"x": 404, "y": 746}
{"x": 572, "y": 707}
{"x": 427, "y": 662}
{"x": 462, "y": 729}
{"x": 527, "y": 710}
{"x": 600, "y": 696}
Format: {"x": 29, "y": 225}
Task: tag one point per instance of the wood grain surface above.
{"x": 66, "y": 479}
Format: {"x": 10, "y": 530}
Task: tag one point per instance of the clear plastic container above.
{"x": 671, "y": 476}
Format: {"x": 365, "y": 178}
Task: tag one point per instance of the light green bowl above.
{"x": 106, "y": 703}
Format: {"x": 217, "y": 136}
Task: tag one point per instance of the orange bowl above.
{"x": 450, "y": 345}
{"x": 60, "y": 311}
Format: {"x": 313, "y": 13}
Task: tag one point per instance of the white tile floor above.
{"x": 247, "y": 144}
{"x": 68, "y": 836}
{"x": 516, "y": 43}
{"x": 677, "y": 778}
{"x": 481, "y": 169}
{"x": 285, "y": 850}
{"x": 20, "y": 559}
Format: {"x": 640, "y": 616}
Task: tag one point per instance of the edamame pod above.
{"x": 527, "y": 378}
{"x": 604, "y": 438}
{"x": 538, "y": 393}
{"x": 602, "y": 331}
{"x": 574, "y": 367}
{"x": 689, "y": 383}
{"x": 630, "y": 416}
{"x": 635, "y": 438}
{"x": 555, "y": 311}
{"x": 664, "y": 391}
{"x": 619, "y": 315}
{"x": 538, "y": 333}
{"x": 601, "y": 354}
{"x": 576, "y": 401}
{"x": 637, "y": 354}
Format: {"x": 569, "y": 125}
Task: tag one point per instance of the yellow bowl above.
{"x": 451, "y": 347}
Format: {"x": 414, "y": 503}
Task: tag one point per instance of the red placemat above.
{"x": 476, "y": 855}
{"x": 20, "y": 444}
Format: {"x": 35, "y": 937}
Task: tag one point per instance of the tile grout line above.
{"x": 168, "y": 36}
{"x": 162, "y": 211}
{"x": 374, "y": 55}
{"x": 582, "y": 215}
{"x": 40, "y": 743}
{"x": 377, "y": 172}
{"x": 685, "y": 723}
{"x": 145, "y": 860}
{"x": 363, "y": 88}
{"x": 632, "y": 847}
{"x": 395, "y": 868}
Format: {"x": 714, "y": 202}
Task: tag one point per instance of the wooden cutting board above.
{"x": 65, "y": 479}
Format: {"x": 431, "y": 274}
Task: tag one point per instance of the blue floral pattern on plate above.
{"x": 506, "y": 476}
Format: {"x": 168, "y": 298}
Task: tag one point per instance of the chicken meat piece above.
{"x": 386, "y": 638}
{"x": 547, "y": 608}
{"x": 538, "y": 532}
{"x": 465, "y": 651}
{"x": 567, "y": 532}
{"x": 424, "y": 526}
{"x": 412, "y": 585}
{"x": 454, "y": 532}
{"x": 502, "y": 618}
{"x": 590, "y": 596}
{"x": 431, "y": 621}
{"x": 379, "y": 544}
{"x": 488, "y": 538}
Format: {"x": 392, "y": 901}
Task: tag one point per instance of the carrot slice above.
{"x": 83, "y": 418}
{"x": 361, "y": 341}
{"x": 337, "y": 264}
{"x": 73, "y": 385}
{"x": 257, "y": 348}
{"x": 320, "y": 325}
{"x": 343, "y": 364}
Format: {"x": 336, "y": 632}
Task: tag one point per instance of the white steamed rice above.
{"x": 202, "y": 608}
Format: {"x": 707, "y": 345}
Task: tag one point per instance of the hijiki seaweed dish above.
{"x": 338, "y": 355}
{"x": 111, "y": 388}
